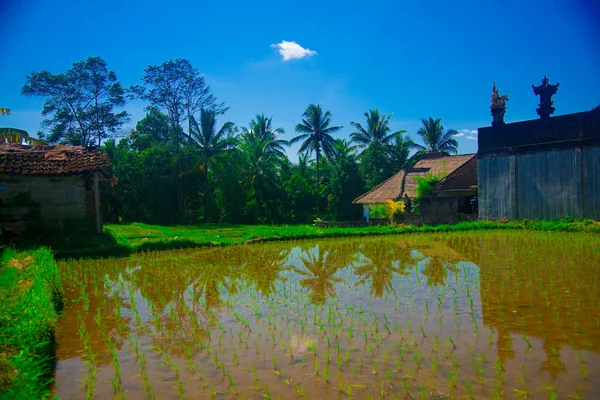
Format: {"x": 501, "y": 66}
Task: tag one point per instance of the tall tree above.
{"x": 178, "y": 88}
{"x": 346, "y": 183}
{"x": 79, "y": 102}
{"x": 377, "y": 141}
{"x": 262, "y": 154}
{"x": 436, "y": 138}
{"x": 262, "y": 128}
{"x": 211, "y": 143}
{"x": 151, "y": 130}
{"x": 377, "y": 129}
{"x": 316, "y": 133}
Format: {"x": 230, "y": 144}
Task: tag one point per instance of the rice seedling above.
{"x": 224, "y": 316}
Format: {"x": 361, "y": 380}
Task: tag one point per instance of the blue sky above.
{"x": 412, "y": 59}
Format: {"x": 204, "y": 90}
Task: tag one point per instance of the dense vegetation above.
{"x": 185, "y": 163}
{"x": 30, "y": 295}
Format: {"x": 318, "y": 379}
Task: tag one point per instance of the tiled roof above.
{"x": 49, "y": 160}
{"x": 404, "y": 181}
{"x": 463, "y": 177}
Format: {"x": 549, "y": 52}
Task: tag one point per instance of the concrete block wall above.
{"x": 44, "y": 201}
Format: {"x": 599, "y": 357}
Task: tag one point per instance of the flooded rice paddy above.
{"x": 468, "y": 315}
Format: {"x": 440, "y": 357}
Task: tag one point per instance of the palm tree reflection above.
{"x": 436, "y": 270}
{"x": 379, "y": 264}
{"x": 318, "y": 273}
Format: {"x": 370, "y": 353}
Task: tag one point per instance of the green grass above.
{"x": 30, "y": 296}
{"x": 122, "y": 239}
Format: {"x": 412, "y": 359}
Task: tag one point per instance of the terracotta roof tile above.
{"x": 49, "y": 160}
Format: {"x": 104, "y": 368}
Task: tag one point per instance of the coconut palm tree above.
{"x": 316, "y": 134}
{"x": 211, "y": 143}
{"x": 262, "y": 128}
{"x": 435, "y": 138}
{"x": 377, "y": 130}
{"x": 260, "y": 161}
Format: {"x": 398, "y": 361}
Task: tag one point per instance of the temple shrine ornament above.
{"x": 545, "y": 91}
{"x": 498, "y": 106}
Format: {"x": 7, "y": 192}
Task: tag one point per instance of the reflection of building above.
{"x": 548, "y": 295}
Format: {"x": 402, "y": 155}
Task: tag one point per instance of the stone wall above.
{"x": 439, "y": 210}
{"x": 47, "y": 203}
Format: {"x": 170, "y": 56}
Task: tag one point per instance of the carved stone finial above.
{"x": 498, "y": 106}
{"x": 545, "y": 91}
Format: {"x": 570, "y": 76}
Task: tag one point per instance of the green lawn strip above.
{"x": 30, "y": 297}
{"x": 119, "y": 240}
{"x": 132, "y": 236}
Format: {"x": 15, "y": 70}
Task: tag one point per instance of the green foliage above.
{"x": 425, "y": 186}
{"x": 30, "y": 294}
{"x": 315, "y": 132}
{"x": 79, "y": 102}
{"x": 436, "y": 139}
{"x": 152, "y": 130}
{"x": 345, "y": 184}
{"x": 384, "y": 152}
{"x": 377, "y": 211}
{"x": 176, "y": 87}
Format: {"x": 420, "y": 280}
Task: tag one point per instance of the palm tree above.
{"x": 435, "y": 138}
{"x": 316, "y": 133}
{"x": 377, "y": 130}
{"x": 260, "y": 161}
{"x": 210, "y": 142}
{"x": 262, "y": 128}
{"x": 344, "y": 151}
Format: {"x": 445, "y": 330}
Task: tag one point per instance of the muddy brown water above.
{"x": 468, "y": 315}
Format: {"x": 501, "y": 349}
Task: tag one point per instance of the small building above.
{"x": 457, "y": 188}
{"x": 541, "y": 169}
{"x": 50, "y": 188}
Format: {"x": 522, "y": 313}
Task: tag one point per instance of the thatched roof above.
{"x": 462, "y": 178}
{"x": 21, "y": 159}
{"x": 404, "y": 181}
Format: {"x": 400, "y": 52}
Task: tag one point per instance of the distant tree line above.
{"x": 181, "y": 165}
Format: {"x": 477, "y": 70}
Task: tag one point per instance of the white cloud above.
{"x": 459, "y": 135}
{"x": 292, "y": 50}
{"x": 469, "y": 131}
{"x": 471, "y": 137}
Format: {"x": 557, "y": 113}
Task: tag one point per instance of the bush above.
{"x": 30, "y": 297}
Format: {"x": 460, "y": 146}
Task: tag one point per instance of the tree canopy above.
{"x": 79, "y": 103}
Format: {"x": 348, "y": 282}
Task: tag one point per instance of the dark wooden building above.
{"x": 543, "y": 169}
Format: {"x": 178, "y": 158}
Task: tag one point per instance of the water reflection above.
{"x": 529, "y": 303}
{"x": 317, "y": 269}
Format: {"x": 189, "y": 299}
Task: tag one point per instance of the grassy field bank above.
{"x": 123, "y": 239}
{"x": 30, "y": 296}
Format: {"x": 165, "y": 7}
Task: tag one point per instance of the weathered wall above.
{"x": 496, "y": 187}
{"x": 549, "y": 185}
{"x": 544, "y": 185}
{"x": 45, "y": 202}
{"x": 439, "y": 210}
{"x": 591, "y": 183}
{"x": 542, "y": 169}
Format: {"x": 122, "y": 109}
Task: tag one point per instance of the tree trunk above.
{"x": 318, "y": 182}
